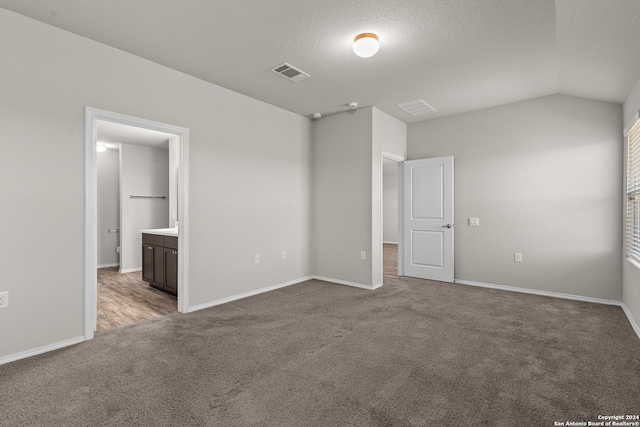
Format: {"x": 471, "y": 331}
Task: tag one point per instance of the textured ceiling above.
{"x": 457, "y": 55}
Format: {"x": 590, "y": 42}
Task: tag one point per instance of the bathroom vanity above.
{"x": 160, "y": 259}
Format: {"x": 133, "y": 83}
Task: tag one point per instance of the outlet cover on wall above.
{"x": 474, "y": 222}
{"x": 257, "y": 258}
{"x": 363, "y": 255}
{"x": 517, "y": 257}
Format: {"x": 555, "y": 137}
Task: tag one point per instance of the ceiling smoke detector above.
{"x": 290, "y": 72}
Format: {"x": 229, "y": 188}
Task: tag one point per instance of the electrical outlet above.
{"x": 363, "y": 255}
{"x": 4, "y": 299}
{"x": 517, "y": 257}
{"x": 257, "y": 258}
{"x": 474, "y": 222}
{"x": 284, "y": 254}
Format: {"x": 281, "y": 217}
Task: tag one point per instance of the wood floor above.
{"x": 124, "y": 299}
{"x": 389, "y": 261}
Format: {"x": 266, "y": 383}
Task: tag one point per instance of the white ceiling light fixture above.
{"x": 101, "y": 148}
{"x": 366, "y": 45}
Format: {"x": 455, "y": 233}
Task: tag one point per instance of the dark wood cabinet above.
{"x": 171, "y": 264}
{"x": 147, "y": 262}
{"x": 171, "y": 270}
{"x": 160, "y": 262}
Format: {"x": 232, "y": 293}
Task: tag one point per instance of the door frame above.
{"x": 402, "y": 211}
{"x": 384, "y": 155}
{"x": 91, "y": 117}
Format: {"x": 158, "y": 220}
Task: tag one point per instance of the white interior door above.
{"x": 427, "y": 219}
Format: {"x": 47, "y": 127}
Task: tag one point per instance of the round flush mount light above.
{"x": 100, "y": 148}
{"x": 365, "y": 45}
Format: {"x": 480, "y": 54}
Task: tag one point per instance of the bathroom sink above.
{"x": 162, "y": 231}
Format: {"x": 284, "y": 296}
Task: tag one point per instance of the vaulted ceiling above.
{"x": 457, "y": 55}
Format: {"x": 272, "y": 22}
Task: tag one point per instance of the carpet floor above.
{"x": 412, "y": 353}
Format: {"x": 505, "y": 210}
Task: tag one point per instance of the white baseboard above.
{"x": 389, "y": 243}
{"x": 131, "y": 270}
{"x": 537, "y": 292}
{"x": 247, "y": 294}
{"x": 347, "y": 283}
{"x": 40, "y": 350}
{"x": 117, "y": 264}
{"x": 633, "y": 322}
{"x": 278, "y": 286}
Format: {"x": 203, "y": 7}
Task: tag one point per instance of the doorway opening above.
{"x": 122, "y": 272}
{"x": 389, "y": 215}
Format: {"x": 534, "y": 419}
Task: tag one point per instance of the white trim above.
{"x": 633, "y": 262}
{"x": 92, "y": 115}
{"x": 635, "y": 118}
{"x": 40, "y": 350}
{"x": 401, "y": 219}
{"x": 347, "y": 283}
{"x": 183, "y": 217}
{"x": 130, "y": 270}
{"x": 279, "y": 286}
{"x": 633, "y": 322}
{"x": 108, "y": 265}
{"x": 247, "y": 294}
{"x": 537, "y": 292}
{"x": 391, "y": 156}
{"x": 90, "y": 224}
{"x": 399, "y": 160}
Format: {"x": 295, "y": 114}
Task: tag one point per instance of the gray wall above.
{"x": 342, "y": 189}
{"x": 545, "y": 178}
{"x": 250, "y": 171}
{"x": 108, "y": 207}
{"x": 174, "y": 161}
{"x": 390, "y": 206}
{"x": 389, "y": 136}
{"x": 348, "y": 151}
{"x": 631, "y": 271}
{"x": 144, "y": 171}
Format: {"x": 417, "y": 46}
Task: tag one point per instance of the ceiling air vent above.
{"x": 290, "y": 72}
{"x": 417, "y": 108}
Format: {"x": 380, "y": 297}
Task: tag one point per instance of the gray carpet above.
{"x": 316, "y": 354}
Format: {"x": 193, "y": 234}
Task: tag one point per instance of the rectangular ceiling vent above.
{"x": 290, "y": 72}
{"x": 417, "y": 108}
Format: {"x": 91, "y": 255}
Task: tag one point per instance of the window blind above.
{"x": 633, "y": 191}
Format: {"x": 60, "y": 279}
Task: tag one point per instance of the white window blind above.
{"x": 633, "y": 191}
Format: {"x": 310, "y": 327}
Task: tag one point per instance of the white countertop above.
{"x": 162, "y": 231}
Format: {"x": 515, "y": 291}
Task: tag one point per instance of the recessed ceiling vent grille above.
{"x": 290, "y": 72}
{"x": 417, "y": 108}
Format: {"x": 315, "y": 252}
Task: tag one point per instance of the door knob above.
{"x": 448, "y": 226}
